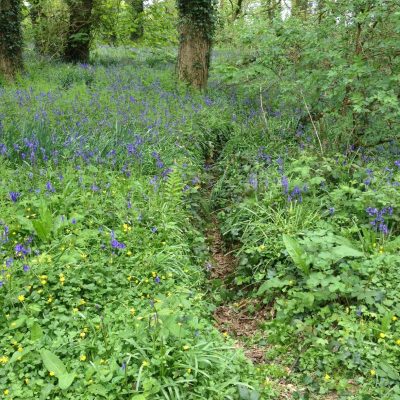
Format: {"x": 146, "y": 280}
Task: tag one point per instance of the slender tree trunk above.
{"x": 10, "y": 37}
{"x": 137, "y": 9}
{"x": 79, "y": 31}
{"x": 238, "y": 10}
{"x": 196, "y": 28}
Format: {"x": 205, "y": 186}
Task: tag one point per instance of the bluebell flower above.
{"x": 14, "y": 196}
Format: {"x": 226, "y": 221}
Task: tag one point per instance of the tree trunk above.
{"x": 138, "y": 9}
{"x": 10, "y": 37}
{"x": 79, "y": 31}
{"x": 299, "y": 7}
{"x": 194, "y": 55}
{"x": 238, "y": 10}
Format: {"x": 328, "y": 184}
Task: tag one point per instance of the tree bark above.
{"x": 79, "y": 31}
{"x": 194, "y": 55}
{"x": 137, "y": 9}
{"x": 10, "y": 37}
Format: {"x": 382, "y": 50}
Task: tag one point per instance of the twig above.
{"x": 313, "y": 124}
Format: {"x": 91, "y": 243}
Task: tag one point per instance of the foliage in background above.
{"x": 341, "y": 62}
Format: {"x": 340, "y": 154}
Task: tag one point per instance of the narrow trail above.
{"x": 230, "y": 318}
{"x": 234, "y": 318}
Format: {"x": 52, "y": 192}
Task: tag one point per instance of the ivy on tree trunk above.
{"x": 79, "y": 31}
{"x": 10, "y": 37}
{"x": 196, "y": 29}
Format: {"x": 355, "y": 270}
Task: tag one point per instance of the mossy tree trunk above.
{"x": 196, "y": 28}
{"x": 137, "y": 11}
{"x": 10, "y": 38}
{"x": 79, "y": 32}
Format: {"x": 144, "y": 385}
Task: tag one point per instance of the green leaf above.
{"x": 36, "y": 332}
{"x": 65, "y": 381}
{"x": 296, "y": 252}
{"x": 53, "y": 363}
{"x": 346, "y": 251}
{"x": 98, "y": 389}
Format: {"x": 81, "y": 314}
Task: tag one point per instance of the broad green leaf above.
{"x": 36, "y": 331}
{"x": 296, "y": 252}
{"x": 65, "y": 381}
{"x": 346, "y": 251}
{"x": 53, "y": 363}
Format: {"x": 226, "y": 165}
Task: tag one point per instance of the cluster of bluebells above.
{"x": 378, "y": 222}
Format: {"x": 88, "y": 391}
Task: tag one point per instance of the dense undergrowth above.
{"x": 102, "y": 269}
{"x": 104, "y": 259}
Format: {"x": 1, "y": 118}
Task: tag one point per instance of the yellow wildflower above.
{"x": 398, "y": 342}
{"x": 83, "y": 357}
{"x": 186, "y": 347}
{"x": 132, "y": 311}
{"x": 50, "y": 299}
{"x": 3, "y": 360}
{"x": 372, "y": 372}
{"x": 145, "y": 363}
{"x": 20, "y": 349}
{"x": 382, "y": 335}
{"x": 327, "y": 377}
{"x": 51, "y": 373}
{"x": 21, "y": 298}
{"x": 82, "y": 335}
{"x": 394, "y": 318}
{"x": 62, "y": 279}
{"x": 82, "y": 302}
{"x": 6, "y": 392}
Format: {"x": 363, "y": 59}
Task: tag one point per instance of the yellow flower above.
{"x": 62, "y": 279}
{"x": 186, "y": 347}
{"x": 21, "y": 298}
{"x": 27, "y": 381}
{"x": 398, "y": 342}
{"x": 225, "y": 334}
{"x": 394, "y": 318}
{"x": 82, "y": 302}
{"x": 129, "y": 253}
{"x": 382, "y": 335}
{"x": 82, "y": 335}
{"x": 102, "y": 361}
{"x": 189, "y": 370}
{"x": 82, "y": 357}
{"x": 3, "y": 360}
{"x": 75, "y": 310}
{"x": 86, "y": 329}
{"x": 129, "y": 278}
{"x": 50, "y": 300}
{"x": 372, "y": 372}
{"x": 154, "y": 274}
{"x": 51, "y": 373}
{"x": 132, "y": 311}
{"x": 145, "y": 363}
{"x": 6, "y": 392}
{"x": 327, "y": 377}
{"x": 20, "y": 349}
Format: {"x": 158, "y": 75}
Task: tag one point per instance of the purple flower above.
{"x": 157, "y": 279}
{"x": 14, "y": 196}
{"x": 49, "y": 187}
{"x": 73, "y": 221}
{"x": 253, "y": 181}
{"x": 26, "y": 268}
{"x": 1, "y": 284}
{"x": 332, "y": 210}
{"x": 154, "y": 229}
{"x": 397, "y": 163}
{"x": 285, "y": 184}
